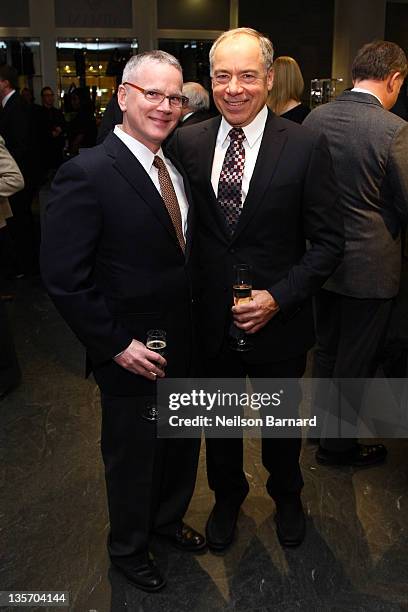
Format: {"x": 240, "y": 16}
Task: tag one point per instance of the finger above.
{"x": 244, "y": 326}
{"x": 154, "y": 357}
{"x": 243, "y": 308}
{"x": 244, "y": 318}
{"x": 153, "y": 368}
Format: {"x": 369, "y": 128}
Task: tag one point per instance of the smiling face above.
{"x": 240, "y": 100}
{"x": 150, "y": 123}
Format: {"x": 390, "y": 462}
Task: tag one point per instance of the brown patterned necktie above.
{"x": 230, "y": 183}
{"x": 170, "y": 199}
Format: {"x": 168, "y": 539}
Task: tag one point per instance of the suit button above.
{"x": 232, "y": 251}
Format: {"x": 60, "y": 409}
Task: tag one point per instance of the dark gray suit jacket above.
{"x": 369, "y": 147}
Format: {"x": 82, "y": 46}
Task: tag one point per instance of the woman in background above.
{"x": 287, "y": 90}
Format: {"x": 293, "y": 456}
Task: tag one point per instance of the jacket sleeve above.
{"x": 11, "y": 179}
{"x": 323, "y": 228}
{"x": 397, "y": 168}
{"x": 71, "y": 234}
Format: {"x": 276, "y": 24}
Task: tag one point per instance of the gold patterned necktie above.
{"x": 170, "y": 199}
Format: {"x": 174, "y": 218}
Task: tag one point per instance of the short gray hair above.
{"x": 137, "y": 61}
{"x": 264, "y": 43}
{"x": 198, "y": 97}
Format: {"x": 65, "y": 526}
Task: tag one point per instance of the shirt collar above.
{"x": 6, "y": 98}
{"x": 252, "y": 131}
{"x": 367, "y": 91}
{"x": 139, "y": 150}
{"x": 186, "y": 116}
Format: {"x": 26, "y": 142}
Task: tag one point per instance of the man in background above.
{"x": 198, "y": 105}
{"x": 369, "y": 146}
{"x": 53, "y": 127}
{"x": 16, "y": 129}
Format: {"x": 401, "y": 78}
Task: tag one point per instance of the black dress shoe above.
{"x": 221, "y": 525}
{"x": 188, "y": 539}
{"x": 363, "y": 455}
{"x": 290, "y": 520}
{"x": 145, "y": 575}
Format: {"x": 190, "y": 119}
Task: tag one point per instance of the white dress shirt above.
{"x": 6, "y": 98}
{"x": 252, "y": 142}
{"x": 146, "y": 158}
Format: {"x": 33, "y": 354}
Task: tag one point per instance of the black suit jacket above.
{"x": 112, "y": 264}
{"x": 15, "y": 127}
{"x": 292, "y": 198}
{"x": 196, "y": 117}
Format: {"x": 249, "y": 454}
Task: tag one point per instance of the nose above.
{"x": 234, "y": 86}
{"x": 165, "y": 106}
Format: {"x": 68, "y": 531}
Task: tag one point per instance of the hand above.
{"x": 141, "y": 360}
{"x": 254, "y": 315}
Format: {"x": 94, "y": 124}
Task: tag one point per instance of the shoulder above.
{"x": 190, "y": 132}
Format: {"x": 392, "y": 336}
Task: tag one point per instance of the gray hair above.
{"x": 137, "y": 61}
{"x": 264, "y": 43}
{"x": 198, "y": 97}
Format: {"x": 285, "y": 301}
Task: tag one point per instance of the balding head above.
{"x": 198, "y": 97}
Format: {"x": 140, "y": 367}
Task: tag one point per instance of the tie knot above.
{"x": 158, "y": 162}
{"x": 236, "y": 134}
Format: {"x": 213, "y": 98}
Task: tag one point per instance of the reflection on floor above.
{"x": 54, "y": 522}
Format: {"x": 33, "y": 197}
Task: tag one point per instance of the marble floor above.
{"x": 53, "y": 521}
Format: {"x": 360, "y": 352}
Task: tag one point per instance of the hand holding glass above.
{"x": 242, "y": 291}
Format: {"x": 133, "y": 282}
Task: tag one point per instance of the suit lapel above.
{"x": 273, "y": 141}
{"x": 131, "y": 169}
{"x": 190, "y": 214}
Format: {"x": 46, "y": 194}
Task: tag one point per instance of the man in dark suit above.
{"x": 262, "y": 186}
{"x": 369, "y": 146}
{"x": 116, "y": 257}
{"x": 53, "y": 126}
{"x": 198, "y": 107}
{"x": 16, "y": 129}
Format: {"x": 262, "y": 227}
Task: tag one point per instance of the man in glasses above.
{"x": 262, "y": 186}
{"x": 116, "y": 258}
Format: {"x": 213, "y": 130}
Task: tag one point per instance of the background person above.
{"x": 198, "y": 106}
{"x": 288, "y": 85}
{"x": 369, "y": 146}
{"x": 11, "y": 181}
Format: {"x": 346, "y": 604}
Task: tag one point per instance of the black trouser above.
{"x": 10, "y": 373}
{"x": 280, "y": 456}
{"x": 21, "y": 226}
{"x": 350, "y": 336}
{"x": 149, "y": 481}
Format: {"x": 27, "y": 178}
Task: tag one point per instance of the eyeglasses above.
{"x": 157, "y": 97}
{"x": 247, "y": 78}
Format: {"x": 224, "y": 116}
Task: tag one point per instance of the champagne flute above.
{"x": 242, "y": 292}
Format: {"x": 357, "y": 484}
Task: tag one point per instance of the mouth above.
{"x": 161, "y": 122}
{"x": 235, "y": 103}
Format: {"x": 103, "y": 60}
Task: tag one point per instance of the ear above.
{"x": 269, "y": 78}
{"x": 122, "y": 98}
{"x": 394, "y": 80}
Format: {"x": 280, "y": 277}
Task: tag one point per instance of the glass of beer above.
{"x": 242, "y": 292}
{"x": 156, "y": 341}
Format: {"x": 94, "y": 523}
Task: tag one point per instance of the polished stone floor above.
{"x": 53, "y": 521}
